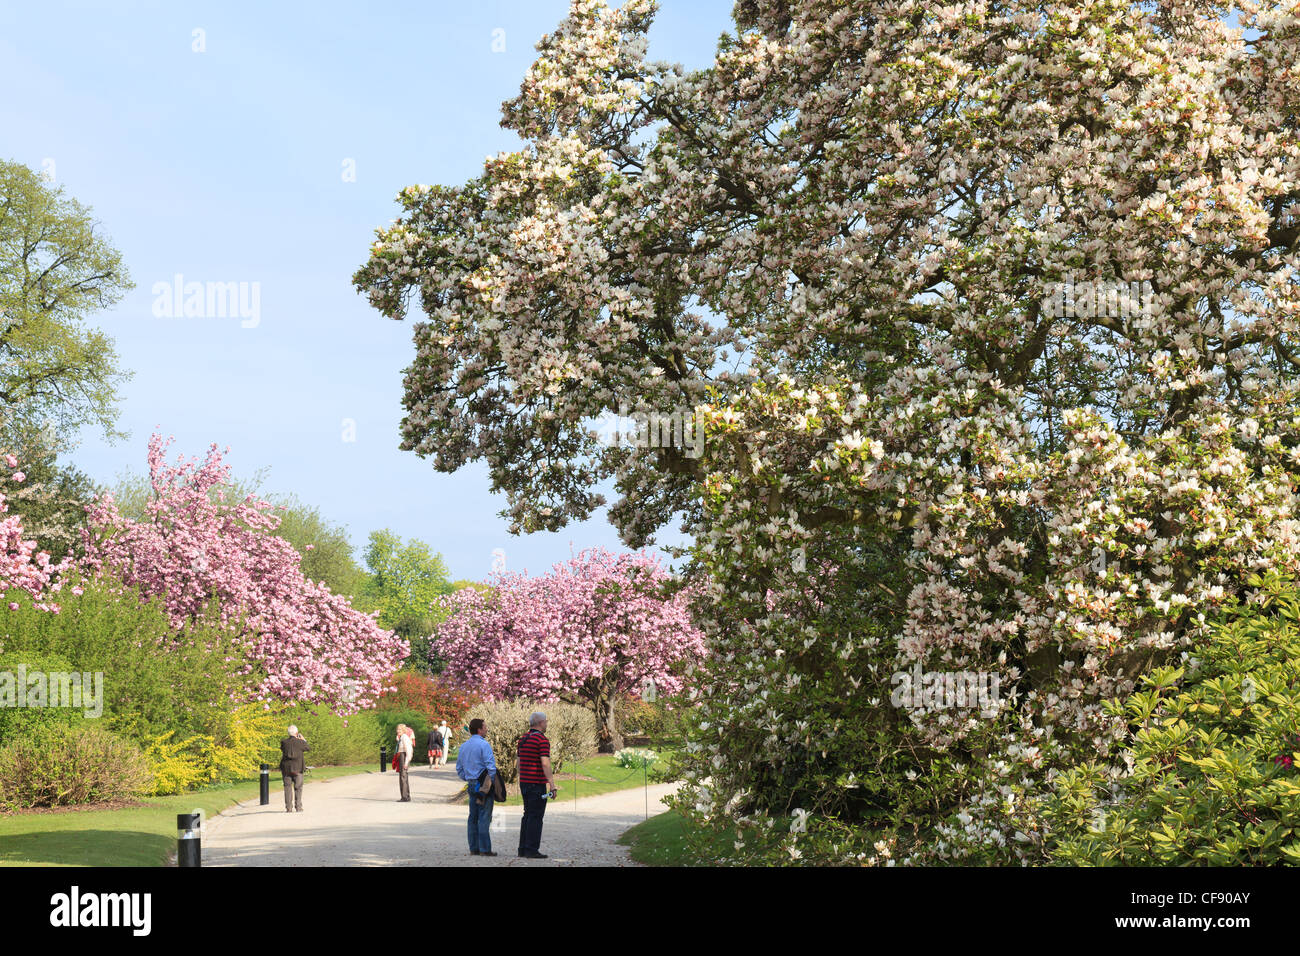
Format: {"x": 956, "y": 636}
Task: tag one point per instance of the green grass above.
{"x": 132, "y": 836}
{"x": 605, "y": 778}
{"x": 670, "y": 840}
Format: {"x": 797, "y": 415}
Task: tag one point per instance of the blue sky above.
{"x": 227, "y": 165}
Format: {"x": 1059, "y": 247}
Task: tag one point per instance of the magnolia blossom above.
{"x": 875, "y": 206}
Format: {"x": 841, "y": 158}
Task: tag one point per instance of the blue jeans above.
{"x": 480, "y": 821}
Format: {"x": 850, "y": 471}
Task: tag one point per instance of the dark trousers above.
{"x": 404, "y": 783}
{"x": 530, "y": 828}
{"x": 292, "y": 790}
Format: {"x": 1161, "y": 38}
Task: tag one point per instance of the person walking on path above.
{"x": 536, "y": 785}
{"x": 435, "y": 747}
{"x": 445, "y": 733}
{"x": 292, "y": 767}
{"x": 405, "y": 750}
{"x": 476, "y": 765}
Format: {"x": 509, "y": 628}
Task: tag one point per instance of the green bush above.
{"x": 335, "y": 741}
{"x": 388, "y": 719}
{"x": 68, "y": 765}
{"x": 570, "y": 728}
{"x": 1214, "y": 754}
{"x": 155, "y": 681}
{"x": 640, "y": 718}
{"x": 663, "y": 721}
{"x": 26, "y": 721}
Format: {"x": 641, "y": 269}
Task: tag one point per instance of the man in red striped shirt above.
{"x": 536, "y": 785}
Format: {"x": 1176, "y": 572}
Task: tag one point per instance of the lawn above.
{"x": 596, "y": 775}
{"x": 131, "y": 836}
{"x": 669, "y": 840}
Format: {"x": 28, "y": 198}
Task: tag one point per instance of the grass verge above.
{"x": 140, "y": 835}
{"x": 669, "y": 839}
{"x": 595, "y": 776}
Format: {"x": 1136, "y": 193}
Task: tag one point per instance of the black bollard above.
{"x": 189, "y": 851}
{"x": 383, "y": 759}
{"x": 266, "y": 784}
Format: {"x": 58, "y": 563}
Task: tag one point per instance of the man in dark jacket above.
{"x": 292, "y": 767}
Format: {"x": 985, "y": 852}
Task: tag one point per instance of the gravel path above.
{"x": 357, "y": 821}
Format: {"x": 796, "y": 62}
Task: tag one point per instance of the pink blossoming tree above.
{"x": 598, "y": 626}
{"x": 22, "y": 567}
{"x": 304, "y": 643}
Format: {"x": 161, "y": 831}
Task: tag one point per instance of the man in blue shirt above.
{"x": 474, "y": 757}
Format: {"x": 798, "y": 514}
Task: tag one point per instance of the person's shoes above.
{"x": 474, "y": 853}
{"x": 287, "y": 810}
{"x": 486, "y": 853}
{"x": 299, "y": 810}
{"x": 533, "y": 856}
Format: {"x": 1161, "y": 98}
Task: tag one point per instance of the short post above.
{"x": 189, "y": 851}
{"x": 383, "y": 759}
{"x": 266, "y": 784}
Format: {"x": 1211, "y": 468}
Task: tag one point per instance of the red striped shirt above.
{"x": 532, "y": 748}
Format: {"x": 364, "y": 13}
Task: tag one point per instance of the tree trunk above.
{"x": 607, "y": 731}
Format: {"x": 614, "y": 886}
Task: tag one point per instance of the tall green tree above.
{"x": 56, "y": 267}
{"x": 406, "y": 580}
{"x": 327, "y": 554}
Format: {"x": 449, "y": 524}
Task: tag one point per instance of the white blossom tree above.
{"x": 847, "y": 240}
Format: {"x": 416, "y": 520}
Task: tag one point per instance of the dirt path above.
{"x": 357, "y": 821}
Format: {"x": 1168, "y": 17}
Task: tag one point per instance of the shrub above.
{"x": 335, "y": 741}
{"x": 436, "y": 698}
{"x": 570, "y": 728}
{"x": 640, "y": 717}
{"x": 388, "y": 719}
{"x": 177, "y": 763}
{"x": 1213, "y": 750}
{"x": 243, "y": 739}
{"x": 73, "y": 764}
{"x": 663, "y": 721}
{"x": 232, "y": 748}
{"x": 154, "y": 682}
{"x": 19, "y": 722}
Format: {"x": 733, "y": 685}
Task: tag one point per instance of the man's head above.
{"x": 537, "y": 721}
{"x": 477, "y": 726}
{"x": 293, "y": 730}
